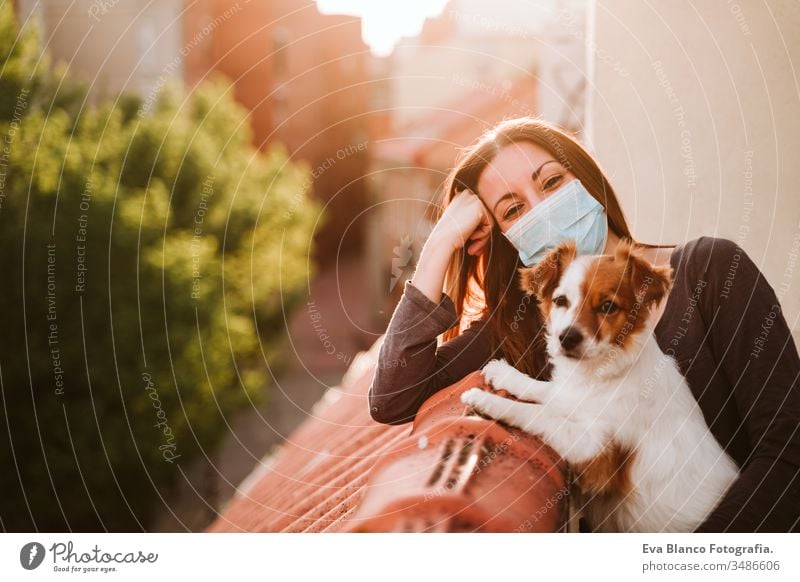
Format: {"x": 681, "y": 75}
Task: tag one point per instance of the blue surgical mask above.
{"x": 570, "y": 213}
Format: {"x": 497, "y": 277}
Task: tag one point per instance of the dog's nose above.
{"x": 570, "y": 338}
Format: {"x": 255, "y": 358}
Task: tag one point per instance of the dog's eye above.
{"x": 608, "y": 307}
{"x": 561, "y": 301}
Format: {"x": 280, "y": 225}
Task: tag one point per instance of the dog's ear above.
{"x": 650, "y": 283}
{"x": 541, "y": 279}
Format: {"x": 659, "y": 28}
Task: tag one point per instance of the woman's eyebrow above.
{"x": 535, "y": 175}
{"x": 503, "y": 197}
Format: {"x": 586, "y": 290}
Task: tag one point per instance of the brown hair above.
{"x": 513, "y": 317}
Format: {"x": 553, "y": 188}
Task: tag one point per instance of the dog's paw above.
{"x": 497, "y": 373}
{"x": 473, "y": 396}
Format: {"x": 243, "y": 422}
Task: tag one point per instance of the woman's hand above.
{"x": 465, "y": 222}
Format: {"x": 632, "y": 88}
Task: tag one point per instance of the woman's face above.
{"x": 519, "y": 177}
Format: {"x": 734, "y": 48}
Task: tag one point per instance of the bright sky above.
{"x": 384, "y": 22}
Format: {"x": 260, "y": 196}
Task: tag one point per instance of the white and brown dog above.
{"x": 617, "y": 408}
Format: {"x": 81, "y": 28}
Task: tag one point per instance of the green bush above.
{"x": 147, "y": 259}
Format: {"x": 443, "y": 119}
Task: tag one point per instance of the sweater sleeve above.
{"x": 753, "y": 346}
{"x": 410, "y": 366}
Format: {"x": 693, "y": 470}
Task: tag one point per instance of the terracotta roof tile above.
{"x": 450, "y": 471}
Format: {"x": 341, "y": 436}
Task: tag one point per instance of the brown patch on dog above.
{"x": 650, "y": 283}
{"x": 609, "y": 472}
{"x": 541, "y": 279}
{"x": 631, "y": 284}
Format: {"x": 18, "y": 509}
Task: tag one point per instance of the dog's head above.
{"x": 594, "y": 305}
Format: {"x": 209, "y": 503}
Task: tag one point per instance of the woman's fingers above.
{"x": 478, "y": 242}
{"x": 468, "y": 220}
{"x": 479, "y": 232}
{"x": 476, "y": 248}
{"x": 480, "y": 236}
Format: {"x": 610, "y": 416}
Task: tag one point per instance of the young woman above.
{"x": 721, "y": 321}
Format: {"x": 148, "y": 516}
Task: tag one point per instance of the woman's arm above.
{"x": 410, "y": 367}
{"x": 754, "y": 348}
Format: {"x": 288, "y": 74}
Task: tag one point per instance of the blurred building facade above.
{"x": 469, "y": 47}
{"x": 114, "y": 46}
{"x": 305, "y": 76}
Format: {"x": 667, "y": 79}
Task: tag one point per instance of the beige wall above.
{"x": 114, "y": 45}
{"x": 694, "y": 111}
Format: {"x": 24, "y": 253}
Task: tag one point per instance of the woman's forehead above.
{"x": 513, "y": 162}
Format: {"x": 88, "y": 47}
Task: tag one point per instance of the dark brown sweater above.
{"x": 723, "y": 325}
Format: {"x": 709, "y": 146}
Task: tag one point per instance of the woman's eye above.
{"x": 561, "y": 301}
{"x": 552, "y": 182}
{"x": 512, "y": 211}
{"x": 608, "y": 307}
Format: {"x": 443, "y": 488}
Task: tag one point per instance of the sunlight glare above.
{"x": 384, "y": 23}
